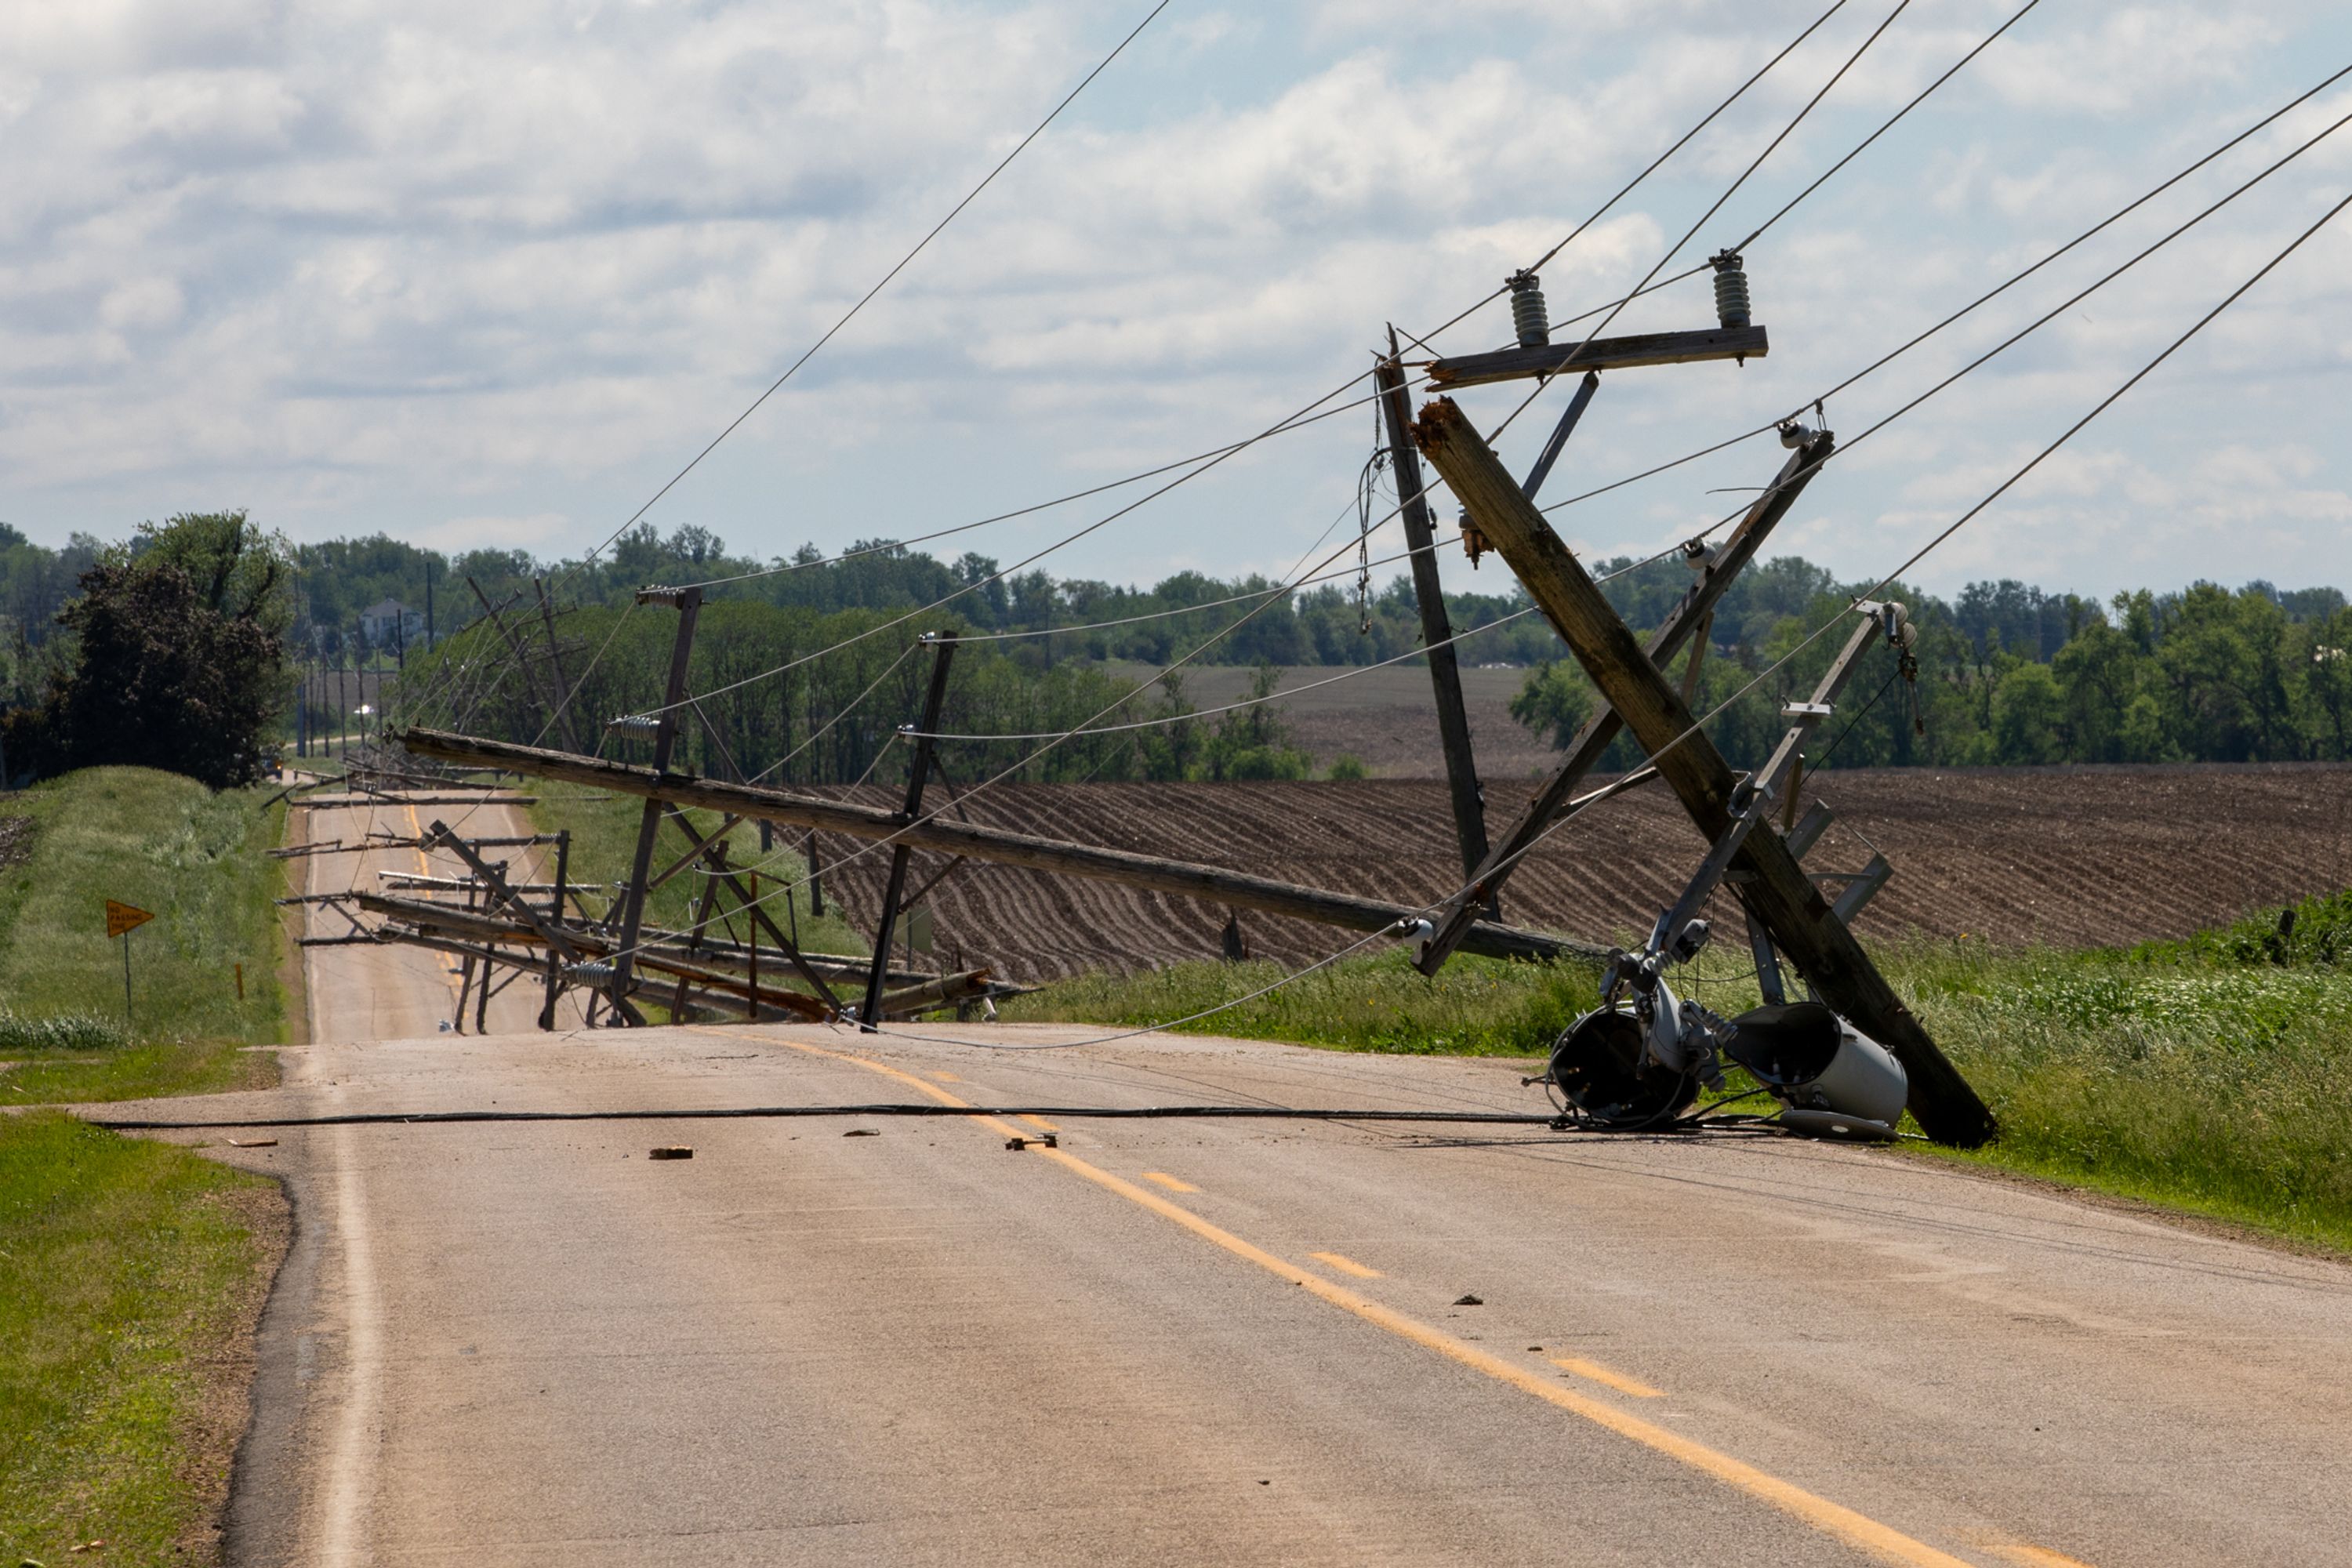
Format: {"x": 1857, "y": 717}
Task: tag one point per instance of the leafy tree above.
{"x": 177, "y": 660}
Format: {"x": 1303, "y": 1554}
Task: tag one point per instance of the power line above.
{"x": 970, "y": 196}
{"x": 2002, "y": 288}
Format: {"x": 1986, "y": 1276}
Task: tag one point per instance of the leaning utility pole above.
{"x": 1436, "y": 626}
{"x": 663, "y": 725}
{"x": 1775, "y": 888}
{"x": 869, "y": 1017}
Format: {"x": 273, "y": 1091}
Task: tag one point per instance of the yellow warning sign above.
{"x": 120, "y": 918}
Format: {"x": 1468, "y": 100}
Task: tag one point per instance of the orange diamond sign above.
{"x": 120, "y": 918}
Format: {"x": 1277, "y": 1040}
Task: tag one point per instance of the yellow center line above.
{"x": 1172, "y": 1184}
{"x": 1859, "y": 1531}
{"x": 1607, "y": 1376}
{"x": 424, "y": 868}
{"x": 2034, "y": 1556}
{"x": 1346, "y": 1265}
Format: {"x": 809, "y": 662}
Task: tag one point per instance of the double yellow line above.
{"x": 1858, "y": 1530}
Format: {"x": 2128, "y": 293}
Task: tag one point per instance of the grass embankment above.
{"x": 194, "y": 859}
{"x": 130, "y": 1272}
{"x": 2202, "y": 1075}
{"x": 604, "y": 841}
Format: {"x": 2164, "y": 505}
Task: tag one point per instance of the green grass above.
{"x": 2182, "y": 1075}
{"x": 604, "y": 840}
{"x": 194, "y": 859}
{"x": 125, "y": 1268}
{"x": 1474, "y": 1006}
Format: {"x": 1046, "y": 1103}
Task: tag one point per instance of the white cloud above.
{"x": 360, "y": 265}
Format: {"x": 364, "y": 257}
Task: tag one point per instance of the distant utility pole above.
{"x": 428, "y": 599}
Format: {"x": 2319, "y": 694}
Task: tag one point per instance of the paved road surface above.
{"x": 1179, "y": 1342}
{"x": 393, "y": 991}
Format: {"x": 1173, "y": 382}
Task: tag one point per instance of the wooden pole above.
{"x": 1436, "y": 626}
{"x": 1688, "y": 620}
{"x": 1777, "y": 889}
{"x": 633, "y": 907}
{"x": 554, "y": 651}
{"x": 919, "y": 774}
{"x": 555, "y": 917}
{"x": 514, "y": 646}
{"x": 1210, "y": 884}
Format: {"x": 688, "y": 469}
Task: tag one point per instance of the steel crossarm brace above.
{"x": 1739, "y": 547}
{"x": 1779, "y": 891}
{"x": 1569, "y": 418}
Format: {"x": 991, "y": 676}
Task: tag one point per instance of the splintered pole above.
{"x": 1776, "y": 887}
{"x": 1436, "y": 628}
{"x": 688, "y": 602}
{"x": 869, "y": 1017}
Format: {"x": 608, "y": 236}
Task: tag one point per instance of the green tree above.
{"x": 177, "y": 659}
{"x": 2029, "y": 715}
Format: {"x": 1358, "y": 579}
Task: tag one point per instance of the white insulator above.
{"x": 1529, "y": 317}
{"x": 644, "y": 725}
{"x": 654, "y": 593}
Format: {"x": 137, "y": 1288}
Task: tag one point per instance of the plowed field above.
{"x": 2073, "y": 856}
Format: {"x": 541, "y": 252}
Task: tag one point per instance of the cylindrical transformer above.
{"x": 1731, "y": 306}
{"x": 1529, "y": 317}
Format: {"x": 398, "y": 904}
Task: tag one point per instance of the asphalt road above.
{"x": 897, "y": 1340}
{"x": 390, "y": 991}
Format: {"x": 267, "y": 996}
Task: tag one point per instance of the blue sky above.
{"x": 474, "y": 274}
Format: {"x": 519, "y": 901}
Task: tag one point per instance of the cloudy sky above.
{"x": 473, "y": 273}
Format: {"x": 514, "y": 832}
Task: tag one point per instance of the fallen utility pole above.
{"x": 1777, "y": 890}
{"x": 1212, "y": 884}
{"x": 1687, "y": 623}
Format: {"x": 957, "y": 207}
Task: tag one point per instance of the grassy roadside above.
{"x": 131, "y": 1275}
{"x": 167, "y": 845}
{"x": 2189, "y": 1076}
{"x": 132, "y": 1272}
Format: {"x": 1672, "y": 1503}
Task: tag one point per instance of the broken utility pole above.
{"x": 1777, "y": 890}
{"x": 1685, "y": 624}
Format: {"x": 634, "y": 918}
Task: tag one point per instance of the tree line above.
{"x": 194, "y": 639}
{"x": 2009, "y": 675}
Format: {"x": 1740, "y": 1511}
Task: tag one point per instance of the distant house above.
{"x": 391, "y": 624}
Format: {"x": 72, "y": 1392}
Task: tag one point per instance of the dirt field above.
{"x": 1385, "y": 718}
{"x": 2067, "y": 856}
